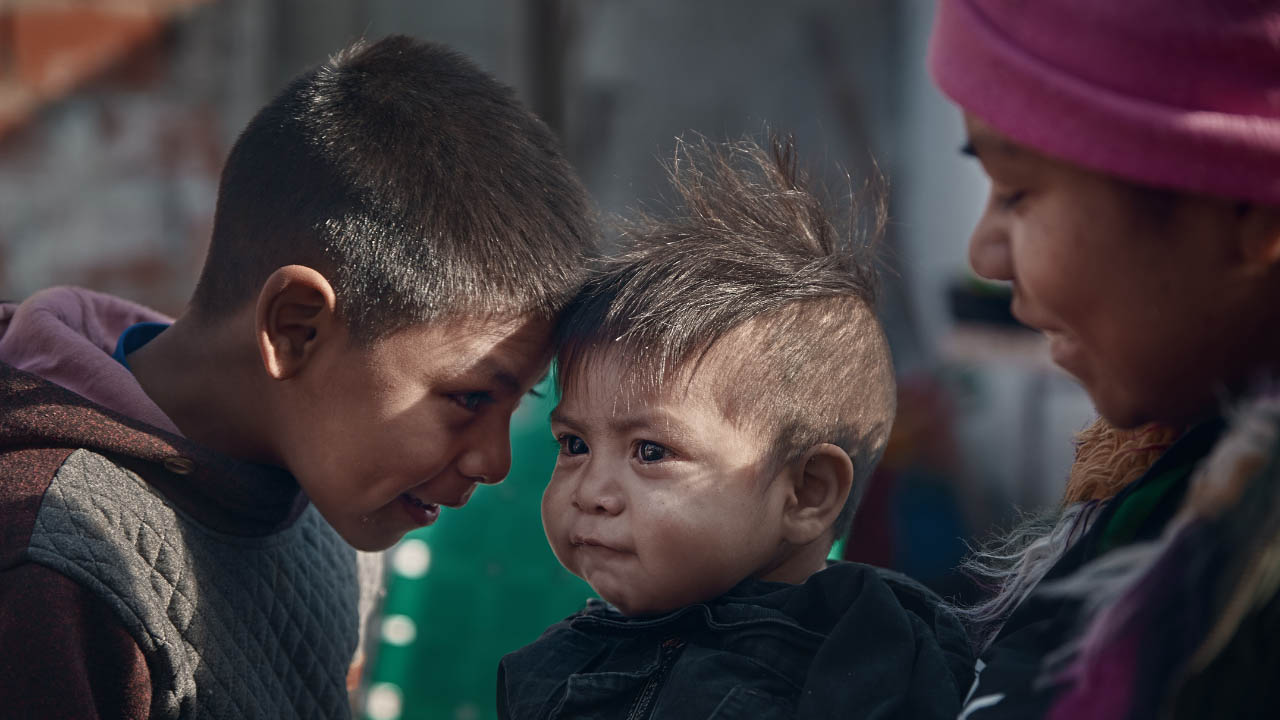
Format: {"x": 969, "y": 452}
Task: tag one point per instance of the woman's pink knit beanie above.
{"x": 1181, "y": 94}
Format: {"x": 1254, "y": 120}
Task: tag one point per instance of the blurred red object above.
{"x": 47, "y": 49}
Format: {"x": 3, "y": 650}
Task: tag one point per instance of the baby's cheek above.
{"x": 667, "y": 527}
{"x": 555, "y": 501}
{"x": 683, "y": 548}
{"x": 553, "y": 521}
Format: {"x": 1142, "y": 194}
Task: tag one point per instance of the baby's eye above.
{"x": 572, "y": 445}
{"x": 651, "y": 452}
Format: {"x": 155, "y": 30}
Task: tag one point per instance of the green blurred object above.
{"x": 478, "y": 584}
{"x": 837, "y": 549}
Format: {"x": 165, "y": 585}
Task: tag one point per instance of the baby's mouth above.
{"x": 579, "y": 541}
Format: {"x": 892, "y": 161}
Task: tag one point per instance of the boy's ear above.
{"x": 296, "y": 312}
{"x": 821, "y": 480}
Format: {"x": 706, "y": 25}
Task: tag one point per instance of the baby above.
{"x": 727, "y": 391}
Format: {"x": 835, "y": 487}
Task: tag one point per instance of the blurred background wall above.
{"x": 115, "y": 116}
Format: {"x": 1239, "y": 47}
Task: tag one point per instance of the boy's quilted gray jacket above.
{"x": 144, "y": 576}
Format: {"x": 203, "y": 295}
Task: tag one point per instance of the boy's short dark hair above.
{"x": 414, "y": 181}
{"x": 751, "y": 257}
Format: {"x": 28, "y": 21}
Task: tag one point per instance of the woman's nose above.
{"x": 989, "y": 251}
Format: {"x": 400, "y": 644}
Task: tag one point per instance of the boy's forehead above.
{"x": 528, "y": 331}
{"x": 532, "y": 328}
{"x": 509, "y": 348}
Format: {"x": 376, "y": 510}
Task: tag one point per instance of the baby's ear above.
{"x": 295, "y": 313}
{"x": 820, "y": 483}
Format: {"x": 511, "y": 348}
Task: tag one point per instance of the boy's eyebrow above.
{"x": 500, "y": 375}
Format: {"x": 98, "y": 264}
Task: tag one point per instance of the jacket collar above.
{"x": 220, "y": 492}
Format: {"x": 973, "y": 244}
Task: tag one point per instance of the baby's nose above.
{"x": 607, "y": 504}
{"x": 610, "y": 504}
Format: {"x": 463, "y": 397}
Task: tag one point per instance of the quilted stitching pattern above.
{"x": 231, "y": 627}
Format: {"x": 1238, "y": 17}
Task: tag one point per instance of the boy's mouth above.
{"x": 422, "y": 513}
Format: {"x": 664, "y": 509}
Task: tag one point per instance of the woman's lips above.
{"x": 1064, "y": 351}
{"x": 421, "y": 513}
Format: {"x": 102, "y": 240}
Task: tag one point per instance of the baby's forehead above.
{"x": 631, "y": 377}
{"x": 616, "y": 388}
{"x": 608, "y": 391}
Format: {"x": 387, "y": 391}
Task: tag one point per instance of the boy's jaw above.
{"x": 396, "y": 433}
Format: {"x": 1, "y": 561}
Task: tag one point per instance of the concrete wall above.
{"x": 114, "y": 186}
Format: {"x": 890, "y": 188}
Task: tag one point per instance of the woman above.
{"x": 1134, "y": 152}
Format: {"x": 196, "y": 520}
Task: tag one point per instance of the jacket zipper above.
{"x": 643, "y": 707}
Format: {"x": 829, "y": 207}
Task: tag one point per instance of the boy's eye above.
{"x": 650, "y": 452}
{"x": 572, "y": 445}
{"x": 472, "y": 401}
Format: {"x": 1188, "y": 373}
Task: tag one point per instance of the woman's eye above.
{"x": 1009, "y": 200}
{"x": 472, "y": 401}
{"x": 572, "y": 445}
{"x": 651, "y": 452}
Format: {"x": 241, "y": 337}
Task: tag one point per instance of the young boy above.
{"x": 727, "y": 390}
{"x": 394, "y": 236}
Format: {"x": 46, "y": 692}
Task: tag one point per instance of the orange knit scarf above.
{"x": 1108, "y": 458}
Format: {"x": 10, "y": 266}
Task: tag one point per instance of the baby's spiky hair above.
{"x": 752, "y": 261}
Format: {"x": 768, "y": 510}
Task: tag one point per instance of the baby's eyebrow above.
{"x": 558, "y": 416}
{"x": 623, "y": 425}
{"x": 648, "y": 419}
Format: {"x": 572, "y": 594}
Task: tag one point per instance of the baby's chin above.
{"x": 644, "y": 595}
{"x": 633, "y": 605}
{"x": 643, "y": 608}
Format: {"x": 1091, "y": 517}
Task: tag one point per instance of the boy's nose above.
{"x": 488, "y": 460}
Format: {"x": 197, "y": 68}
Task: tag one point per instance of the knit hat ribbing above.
{"x": 1181, "y": 94}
